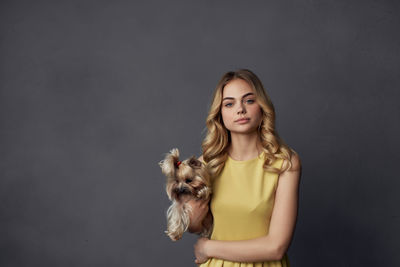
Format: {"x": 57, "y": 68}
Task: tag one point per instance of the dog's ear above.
{"x": 168, "y": 165}
{"x": 194, "y": 163}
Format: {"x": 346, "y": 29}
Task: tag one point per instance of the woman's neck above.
{"x": 244, "y": 146}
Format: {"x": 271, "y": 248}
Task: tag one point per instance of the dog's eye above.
{"x": 188, "y": 180}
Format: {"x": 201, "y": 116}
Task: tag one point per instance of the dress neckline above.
{"x": 260, "y": 156}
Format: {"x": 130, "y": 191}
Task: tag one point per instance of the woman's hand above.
{"x": 199, "y": 212}
{"x": 200, "y": 250}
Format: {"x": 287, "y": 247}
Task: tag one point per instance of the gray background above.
{"x": 93, "y": 93}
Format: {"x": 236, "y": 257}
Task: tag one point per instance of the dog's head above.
{"x": 186, "y": 177}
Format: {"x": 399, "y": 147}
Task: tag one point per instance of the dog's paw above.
{"x": 204, "y": 193}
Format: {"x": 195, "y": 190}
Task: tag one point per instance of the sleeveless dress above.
{"x": 242, "y": 202}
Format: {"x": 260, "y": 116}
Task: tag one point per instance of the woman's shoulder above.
{"x": 295, "y": 161}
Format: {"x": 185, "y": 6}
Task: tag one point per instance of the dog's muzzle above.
{"x": 182, "y": 190}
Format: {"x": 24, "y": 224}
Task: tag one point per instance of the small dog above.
{"x": 185, "y": 178}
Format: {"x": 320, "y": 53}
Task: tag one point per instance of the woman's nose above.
{"x": 241, "y": 109}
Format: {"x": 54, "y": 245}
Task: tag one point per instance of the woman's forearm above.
{"x": 255, "y": 250}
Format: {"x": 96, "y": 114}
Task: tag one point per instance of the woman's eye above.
{"x": 228, "y": 105}
{"x": 250, "y": 101}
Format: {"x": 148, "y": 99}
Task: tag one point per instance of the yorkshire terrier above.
{"x": 185, "y": 179}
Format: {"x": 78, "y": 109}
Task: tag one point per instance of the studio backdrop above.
{"x": 94, "y": 93}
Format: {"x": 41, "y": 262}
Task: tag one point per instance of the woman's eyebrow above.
{"x": 231, "y": 98}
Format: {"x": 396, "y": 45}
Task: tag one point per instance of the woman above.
{"x": 255, "y": 178}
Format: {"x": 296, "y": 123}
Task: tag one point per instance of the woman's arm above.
{"x": 199, "y": 211}
{"x": 272, "y": 246}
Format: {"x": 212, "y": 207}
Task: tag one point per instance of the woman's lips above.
{"x": 241, "y": 121}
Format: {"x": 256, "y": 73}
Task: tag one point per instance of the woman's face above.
{"x": 240, "y": 111}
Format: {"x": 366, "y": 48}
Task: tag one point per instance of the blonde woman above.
{"x": 255, "y": 179}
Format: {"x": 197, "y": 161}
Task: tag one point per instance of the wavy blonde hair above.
{"x": 217, "y": 140}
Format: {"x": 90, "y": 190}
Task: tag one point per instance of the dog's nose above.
{"x": 181, "y": 190}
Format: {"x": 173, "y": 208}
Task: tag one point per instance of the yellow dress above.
{"x": 242, "y": 202}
